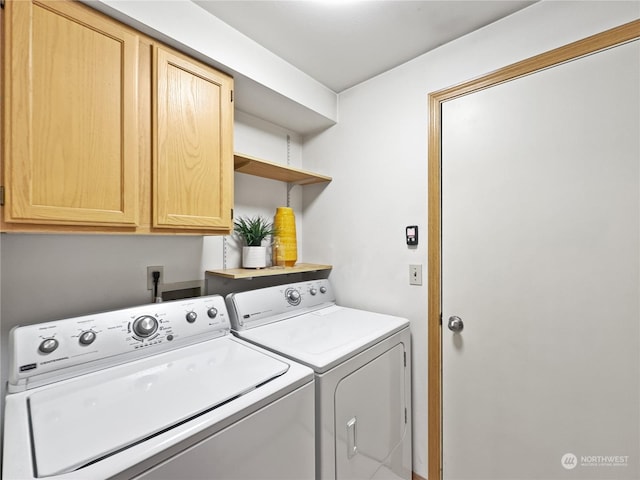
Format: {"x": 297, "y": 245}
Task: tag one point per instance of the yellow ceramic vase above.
{"x": 285, "y": 244}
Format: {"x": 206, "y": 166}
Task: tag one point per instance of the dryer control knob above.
{"x": 313, "y": 291}
{"x": 323, "y": 289}
{"x": 87, "y": 338}
{"x": 191, "y": 316}
{"x": 145, "y": 326}
{"x": 48, "y": 345}
{"x": 212, "y": 312}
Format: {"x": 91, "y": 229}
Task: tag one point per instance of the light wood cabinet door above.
{"x": 70, "y": 149}
{"x": 193, "y": 144}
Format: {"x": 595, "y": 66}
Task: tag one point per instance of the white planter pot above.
{"x": 254, "y": 257}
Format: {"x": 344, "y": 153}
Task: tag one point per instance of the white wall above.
{"x": 377, "y": 155}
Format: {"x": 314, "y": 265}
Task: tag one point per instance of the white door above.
{"x": 541, "y": 242}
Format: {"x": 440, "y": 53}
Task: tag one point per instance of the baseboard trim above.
{"x": 415, "y": 476}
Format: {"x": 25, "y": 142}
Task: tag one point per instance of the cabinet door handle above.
{"x": 352, "y": 448}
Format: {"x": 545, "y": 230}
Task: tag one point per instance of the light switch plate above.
{"x": 415, "y": 274}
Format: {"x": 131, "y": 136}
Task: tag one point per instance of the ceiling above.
{"x": 341, "y": 43}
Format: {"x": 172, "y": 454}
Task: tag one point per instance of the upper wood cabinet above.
{"x": 70, "y": 118}
{"x": 107, "y": 130}
{"x": 193, "y": 140}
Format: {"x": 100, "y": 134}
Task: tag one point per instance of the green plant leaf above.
{"x": 253, "y": 229}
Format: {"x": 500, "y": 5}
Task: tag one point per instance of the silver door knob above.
{"x": 455, "y": 324}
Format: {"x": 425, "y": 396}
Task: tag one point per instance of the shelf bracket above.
{"x": 289, "y": 187}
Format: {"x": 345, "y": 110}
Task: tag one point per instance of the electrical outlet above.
{"x": 150, "y": 271}
{"x": 415, "y": 274}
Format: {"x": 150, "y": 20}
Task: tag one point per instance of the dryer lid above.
{"x": 327, "y": 337}
{"x": 84, "y": 419}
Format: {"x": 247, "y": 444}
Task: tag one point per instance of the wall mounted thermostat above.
{"x": 412, "y": 235}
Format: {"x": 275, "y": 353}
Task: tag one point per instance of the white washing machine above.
{"x": 156, "y": 392}
{"x": 362, "y": 373}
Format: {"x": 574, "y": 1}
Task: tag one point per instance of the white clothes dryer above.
{"x": 362, "y": 365}
{"x": 155, "y": 392}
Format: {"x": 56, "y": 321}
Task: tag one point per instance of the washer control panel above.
{"x": 266, "y": 305}
{"x": 95, "y": 341}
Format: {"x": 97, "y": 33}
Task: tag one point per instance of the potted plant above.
{"x": 253, "y": 230}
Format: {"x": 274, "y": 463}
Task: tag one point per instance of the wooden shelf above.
{"x": 236, "y": 273}
{"x": 263, "y": 168}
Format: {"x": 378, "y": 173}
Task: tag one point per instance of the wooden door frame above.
{"x": 610, "y": 38}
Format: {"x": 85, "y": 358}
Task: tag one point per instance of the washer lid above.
{"x": 324, "y": 338}
{"x": 87, "y": 418}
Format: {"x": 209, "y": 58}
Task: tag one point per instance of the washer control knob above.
{"x": 293, "y": 296}
{"x": 87, "y": 338}
{"x": 191, "y": 316}
{"x": 48, "y": 345}
{"x": 212, "y": 312}
{"x": 323, "y": 289}
{"x": 313, "y": 291}
{"x": 145, "y": 326}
